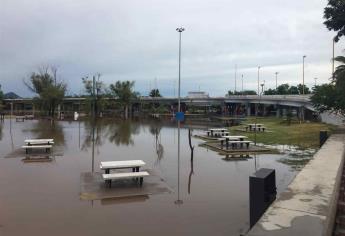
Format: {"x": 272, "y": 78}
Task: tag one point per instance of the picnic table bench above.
{"x": 31, "y": 144}
{"x": 20, "y": 118}
{"x": 113, "y": 176}
{"x": 30, "y": 147}
{"x": 217, "y": 132}
{"x": 253, "y": 127}
{"x": 39, "y": 141}
{"x": 234, "y": 140}
{"x": 134, "y": 164}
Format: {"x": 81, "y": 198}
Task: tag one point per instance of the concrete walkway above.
{"x": 308, "y": 206}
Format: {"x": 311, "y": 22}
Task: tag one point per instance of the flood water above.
{"x": 210, "y": 197}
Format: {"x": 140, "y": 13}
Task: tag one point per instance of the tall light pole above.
{"x": 235, "y": 79}
{"x": 242, "y": 84}
{"x": 303, "y": 75}
{"x": 180, "y": 30}
{"x": 277, "y": 80}
{"x": 333, "y": 59}
{"x": 315, "y": 81}
{"x": 259, "y": 79}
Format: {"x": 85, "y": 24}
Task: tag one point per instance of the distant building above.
{"x": 198, "y": 94}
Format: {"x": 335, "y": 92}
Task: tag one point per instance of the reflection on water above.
{"x": 218, "y": 199}
{"x": 121, "y": 132}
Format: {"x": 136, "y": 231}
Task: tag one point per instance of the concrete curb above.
{"x": 308, "y": 206}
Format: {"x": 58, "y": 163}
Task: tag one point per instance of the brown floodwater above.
{"x": 44, "y": 198}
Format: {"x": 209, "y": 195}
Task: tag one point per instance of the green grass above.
{"x": 304, "y": 135}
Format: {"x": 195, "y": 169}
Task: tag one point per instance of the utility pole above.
{"x": 303, "y": 75}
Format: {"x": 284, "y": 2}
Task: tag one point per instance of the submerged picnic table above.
{"x": 134, "y": 164}
{"x": 38, "y": 144}
{"x": 39, "y": 141}
{"x": 234, "y": 140}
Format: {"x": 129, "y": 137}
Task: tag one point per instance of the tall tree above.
{"x": 123, "y": 91}
{"x": 96, "y": 92}
{"x": 300, "y": 89}
{"x": 51, "y": 92}
{"x": 155, "y": 93}
{"x": 331, "y": 97}
{"x": 283, "y": 89}
{"x": 293, "y": 90}
{"x": 334, "y": 14}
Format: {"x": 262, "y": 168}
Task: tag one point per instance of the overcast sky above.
{"x": 137, "y": 40}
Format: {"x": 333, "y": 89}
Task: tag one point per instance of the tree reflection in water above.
{"x": 45, "y": 129}
{"x": 120, "y": 132}
{"x": 94, "y": 128}
{"x": 1, "y": 131}
{"x": 155, "y": 130}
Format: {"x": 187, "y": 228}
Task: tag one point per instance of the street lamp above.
{"x": 277, "y": 80}
{"x": 333, "y": 59}
{"x": 180, "y": 30}
{"x": 315, "y": 81}
{"x": 303, "y": 74}
{"x": 258, "y": 78}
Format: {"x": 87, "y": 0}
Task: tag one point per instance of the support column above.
{"x": 277, "y": 111}
{"x": 248, "y": 109}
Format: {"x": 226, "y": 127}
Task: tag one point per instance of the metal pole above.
{"x": 235, "y": 79}
{"x": 277, "y": 80}
{"x": 333, "y": 60}
{"x": 180, "y": 30}
{"x": 303, "y": 75}
{"x": 242, "y": 84}
{"x": 258, "y": 80}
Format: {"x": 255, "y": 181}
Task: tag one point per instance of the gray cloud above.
{"x": 137, "y": 40}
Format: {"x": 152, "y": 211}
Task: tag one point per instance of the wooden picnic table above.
{"x": 134, "y": 164}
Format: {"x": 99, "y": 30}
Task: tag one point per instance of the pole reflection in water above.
{"x": 191, "y": 160}
{"x": 178, "y": 201}
{"x": 93, "y": 144}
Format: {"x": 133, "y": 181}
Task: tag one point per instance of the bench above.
{"x": 261, "y": 128}
{"x": 235, "y": 142}
{"x": 33, "y": 142}
{"x": 128, "y": 175}
{"x": 134, "y": 164}
{"x": 20, "y": 118}
{"x": 29, "y": 117}
{"x": 28, "y": 147}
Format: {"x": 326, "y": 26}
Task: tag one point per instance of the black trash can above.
{"x": 323, "y": 137}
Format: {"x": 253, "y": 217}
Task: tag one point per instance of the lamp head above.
{"x": 181, "y": 29}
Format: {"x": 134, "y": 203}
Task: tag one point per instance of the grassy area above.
{"x": 304, "y": 135}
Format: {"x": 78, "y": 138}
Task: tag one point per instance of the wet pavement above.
{"x": 209, "y": 194}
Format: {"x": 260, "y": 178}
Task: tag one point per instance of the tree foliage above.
{"x": 51, "y": 92}
{"x": 95, "y": 93}
{"x": 123, "y": 91}
{"x": 1, "y": 94}
{"x": 155, "y": 93}
{"x": 331, "y": 97}
{"x": 245, "y": 92}
{"x": 334, "y": 14}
